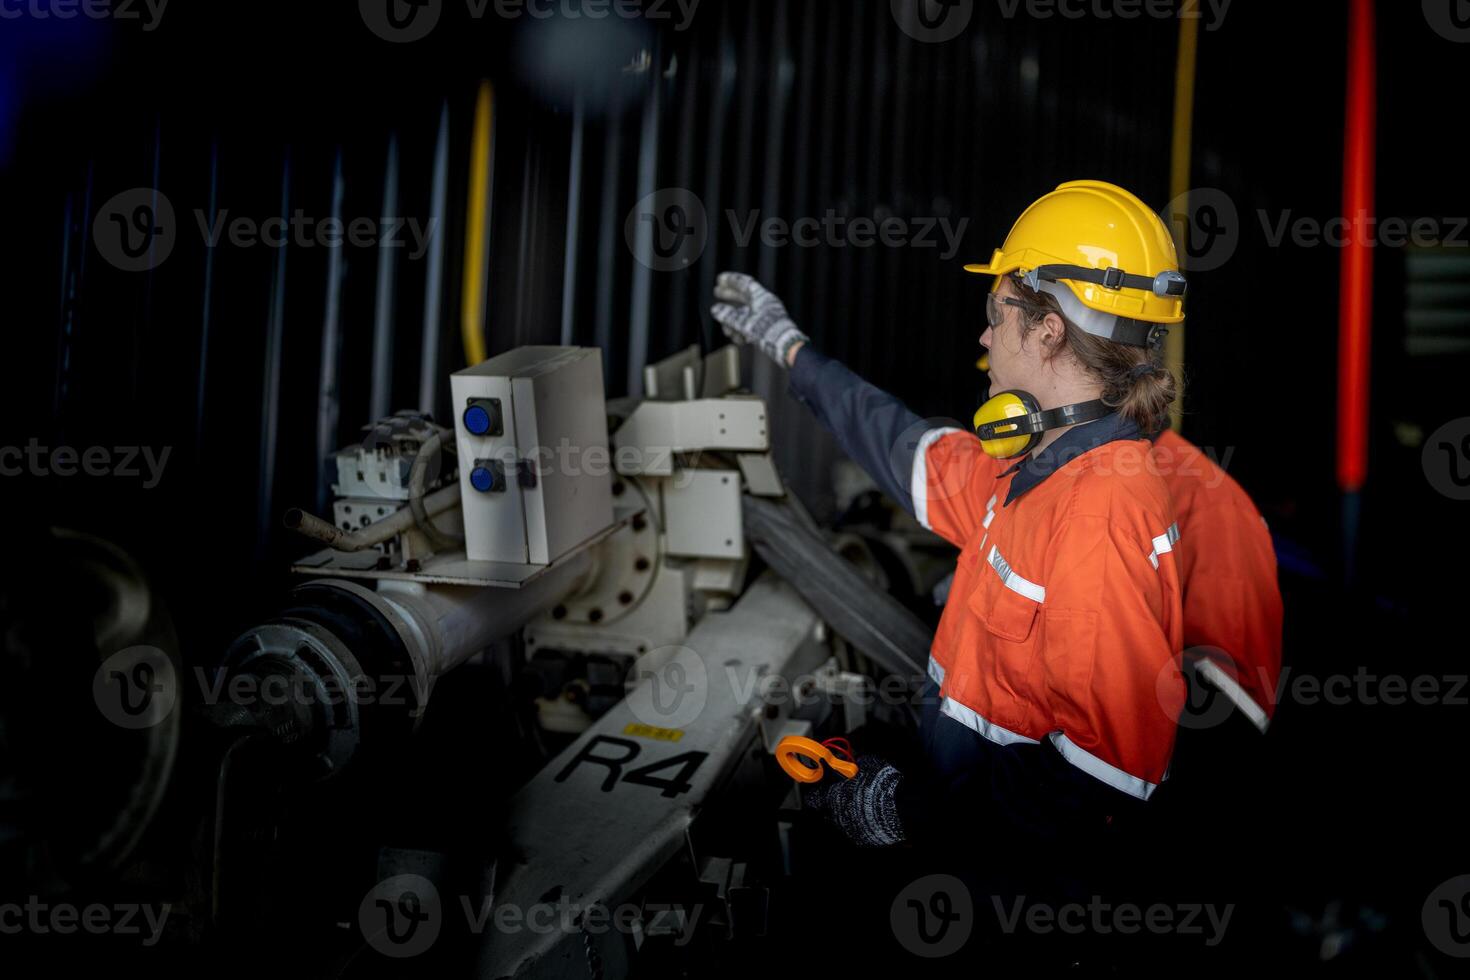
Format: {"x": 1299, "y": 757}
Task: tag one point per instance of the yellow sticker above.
{"x": 650, "y": 731}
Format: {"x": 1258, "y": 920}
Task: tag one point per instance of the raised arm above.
{"x": 936, "y": 472}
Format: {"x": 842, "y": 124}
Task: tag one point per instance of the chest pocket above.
{"x": 1006, "y": 602}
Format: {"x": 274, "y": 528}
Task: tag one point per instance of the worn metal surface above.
{"x": 583, "y": 832}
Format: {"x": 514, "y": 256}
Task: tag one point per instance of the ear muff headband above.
{"x": 1010, "y": 423}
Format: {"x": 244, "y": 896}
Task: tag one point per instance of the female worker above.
{"x": 1054, "y": 671}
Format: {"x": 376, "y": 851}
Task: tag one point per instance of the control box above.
{"x": 535, "y": 473}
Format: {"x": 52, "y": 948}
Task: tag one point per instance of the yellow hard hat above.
{"x": 1114, "y": 255}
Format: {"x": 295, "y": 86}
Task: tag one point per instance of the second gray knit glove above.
{"x": 752, "y": 314}
{"x": 865, "y": 807}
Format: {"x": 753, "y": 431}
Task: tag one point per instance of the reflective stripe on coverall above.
{"x": 1064, "y": 624}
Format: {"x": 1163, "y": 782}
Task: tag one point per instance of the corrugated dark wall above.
{"x": 794, "y": 110}
{"x": 791, "y": 109}
{"x": 764, "y": 109}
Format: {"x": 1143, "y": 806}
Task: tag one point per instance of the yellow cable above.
{"x": 1179, "y": 175}
{"x": 475, "y": 300}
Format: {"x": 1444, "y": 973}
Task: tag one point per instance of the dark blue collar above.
{"x": 1072, "y": 443}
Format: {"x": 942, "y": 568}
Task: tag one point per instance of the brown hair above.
{"x": 1144, "y": 399}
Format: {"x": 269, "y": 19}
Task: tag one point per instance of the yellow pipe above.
{"x": 1179, "y": 175}
{"x": 475, "y": 299}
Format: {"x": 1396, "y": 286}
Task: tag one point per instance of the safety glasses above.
{"x": 994, "y": 314}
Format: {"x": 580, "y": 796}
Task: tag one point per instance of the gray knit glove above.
{"x": 752, "y": 314}
{"x": 864, "y": 807}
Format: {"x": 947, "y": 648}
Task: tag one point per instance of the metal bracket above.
{"x": 449, "y": 567}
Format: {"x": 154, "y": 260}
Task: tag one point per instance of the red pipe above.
{"x": 1356, "y": 296}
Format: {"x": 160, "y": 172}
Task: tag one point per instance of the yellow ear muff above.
{"x": 1006, "y": 405}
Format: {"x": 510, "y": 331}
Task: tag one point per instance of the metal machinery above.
{"x": 616, "y": 540}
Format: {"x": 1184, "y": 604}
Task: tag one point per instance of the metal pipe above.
{"x": 607, "y": 229}
{"x": 641, "y": 294}
{"x": 382, "y": 387}
{"x": 270, "y": 394}
{"x": 448, "y": 624}
{"x": 1355, "y": 297}
{"x": 438, "y": 539}
{"x": 474, "y": 305}
{"x": 1184, "y": 78}
{"x": 207, "y": 305}
{"x": 328, "y": 402}
{"x": 574, "y": 221}
{"x": 434, "y": 274}
{"x": 426, "y": 630}
{"x": 374, "y": 534}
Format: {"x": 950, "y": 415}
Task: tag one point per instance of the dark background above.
{"x": 792, "y": 108}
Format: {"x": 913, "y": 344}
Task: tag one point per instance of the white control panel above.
{"x": 534, "y": 468}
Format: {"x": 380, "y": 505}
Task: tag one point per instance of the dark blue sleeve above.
{"x": 874, "y": 429}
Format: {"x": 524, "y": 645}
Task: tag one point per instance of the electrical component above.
{"x": 532, "y": 432}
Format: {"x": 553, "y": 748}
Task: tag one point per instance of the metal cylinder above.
{"x": 447, "y": 624}
{"x": 361, "y": 662}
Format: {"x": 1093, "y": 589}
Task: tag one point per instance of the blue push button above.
{"x": 483, "y": 417}
{"x": 488, "y": 476}
{"x": 477, "y": 420}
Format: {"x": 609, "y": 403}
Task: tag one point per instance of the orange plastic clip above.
{"x": 793, "y": 748}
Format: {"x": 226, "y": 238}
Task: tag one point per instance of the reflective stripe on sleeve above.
{"x": 1098, "y": 769}
{"x": 1233, "y": 692}
{"x": 919, "y": 481}
{"x": 980, "y": 725}
{"x": 1163, "y": 544}
{"x": 936, "y": 672}
{"x": 1012, "y": 581}
{"x": 1069, "y": 750}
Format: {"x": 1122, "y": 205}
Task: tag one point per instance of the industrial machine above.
{"x": 664, "y": 613}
